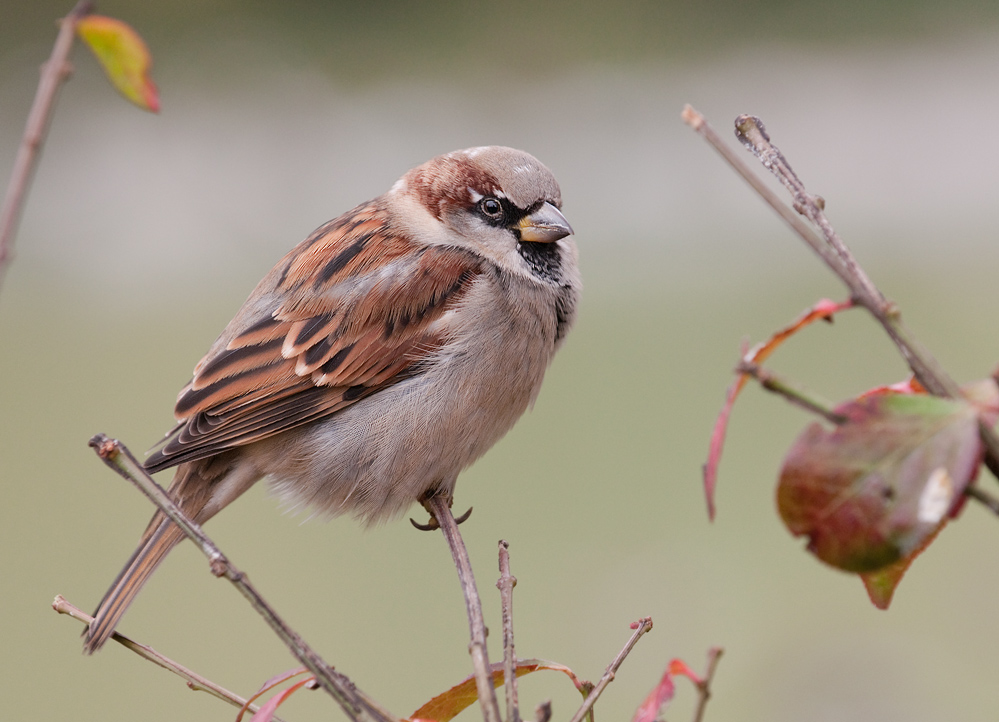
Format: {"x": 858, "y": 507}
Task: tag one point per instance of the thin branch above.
{"x": 543, "y": 712}
{"x": 704, "y": 685}
{"x": 54, "y": 72}
{"x": 797, "y": 396}
{"x": 927, "y": 370}
{"x": 505, "y": 584}
{"x": 194, "y": 680}
{"x": 752, "y": 133}
{"x": 697, "y": 121}
{"x": 439, "y": 507}
{"x": 355, "y": 704}
{"x": 641, "y": 627}
{"x": 986, "y": 500}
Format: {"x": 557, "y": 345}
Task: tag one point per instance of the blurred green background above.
{"x": 143, "y": 235}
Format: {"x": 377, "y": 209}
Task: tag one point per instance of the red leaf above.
{"x": 447, "y": 705}
{"x": 824, "y": 310}
{"x": 678, "y": 667}
{"x": 271, "y": 684}
{"x": 872, "y": 492}
{"x": 124, "y": 56}
{"x": 266, "y": 712}
{"x": 660, "y": 696}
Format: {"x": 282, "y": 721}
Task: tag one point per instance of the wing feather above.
{"x": 353, "y": 309}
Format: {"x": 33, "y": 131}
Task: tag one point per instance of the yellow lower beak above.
{"x": 545, "y": 225}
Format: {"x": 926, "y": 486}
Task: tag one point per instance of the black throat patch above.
{"x": 545, "y": 260}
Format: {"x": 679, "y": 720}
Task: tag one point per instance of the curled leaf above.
{"x": 823, "y": 310}
{"x": 124, "y": 56}
{"x": 447, "y": 705}
{"x": 271, "y": 684}
{"x": 266, "y": 712}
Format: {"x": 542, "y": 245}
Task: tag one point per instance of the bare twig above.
{"x": 505, "y": 584}
{"x": 986, "y": 500}
{"x": 194, "y": 680}
{"x": 54, "y": 72}
{"x": 355, "y": 704}
{"x": 704, "y": 685}
{"x": 696, "y": 121}
{"x": 641, "y": 627}
{"x": 439, "y": 507}
{"x": 797, "y": 396}
{"x": 751, "y": 131}
{"x": 543, "y": 712}
{"x": 837, "y": 256}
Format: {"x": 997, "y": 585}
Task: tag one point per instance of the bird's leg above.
{"x": 433, "y": 525}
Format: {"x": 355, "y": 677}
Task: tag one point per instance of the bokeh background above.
{"x": 143, "y": 234}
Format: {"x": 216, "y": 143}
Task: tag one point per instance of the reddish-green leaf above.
{"x": 881, "y": 584}
{"x": 123, "y": 55}
{"x": 824, "y": 310}
{"x": 446, "y": 706}
{"x": 873, "y": 491}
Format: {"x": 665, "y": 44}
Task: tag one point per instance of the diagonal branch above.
{"x": 54, "y": 72}
{"x": 927, "y": 370}
{"x": 797, "y": 396}
{"x": 642, "y": 626}
{"x": 704, "y": 684}
{"x": 752, "y": 133}
{"x": 194, "y": 680}
{"x": 439, "y": 507}
{"x": 355, "y": 704}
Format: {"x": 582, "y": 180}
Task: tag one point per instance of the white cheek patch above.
{"x": 936, "y": 497}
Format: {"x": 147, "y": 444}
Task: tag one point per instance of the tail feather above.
{"x": 156, "y": 543}
{"x": 219, "y": 480}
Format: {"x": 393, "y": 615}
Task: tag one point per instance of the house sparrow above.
{"x": 379, "y": 358}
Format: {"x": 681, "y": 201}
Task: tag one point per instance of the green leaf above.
{"x": 873, "y": 491}
{"x": 123, "y": 55}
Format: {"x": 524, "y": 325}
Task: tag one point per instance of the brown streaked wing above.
{"x": 356, "y": 317}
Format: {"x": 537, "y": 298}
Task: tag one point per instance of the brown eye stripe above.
{"x": 446, "y": 181}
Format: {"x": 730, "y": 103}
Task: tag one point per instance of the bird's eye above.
{"x": 491, "y": 208}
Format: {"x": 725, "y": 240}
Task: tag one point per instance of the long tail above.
{"x": 192, "y": 485}
{"x": 201, "y": 488}
{"x": 161, "y": 536}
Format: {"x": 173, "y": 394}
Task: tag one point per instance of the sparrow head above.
{"x": 500, "y": 202}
